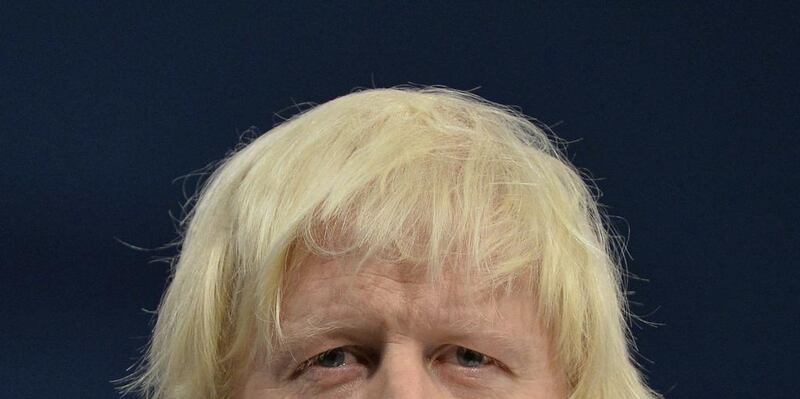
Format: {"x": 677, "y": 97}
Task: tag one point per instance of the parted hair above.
{"x": 410, "y": 174}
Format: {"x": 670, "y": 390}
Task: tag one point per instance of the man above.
{"x": 394, "y": 243}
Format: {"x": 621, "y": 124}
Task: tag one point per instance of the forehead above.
{"x": 398, "y": 296}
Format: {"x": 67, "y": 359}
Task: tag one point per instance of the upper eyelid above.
{"x": 357, "y": 352}
{"x": 449, "y": 347}
{"x": 491, "y": 360}
{"x": 353, "y": 350}
{"x": 360, "y": 353}
{"x": 370, "y": 359}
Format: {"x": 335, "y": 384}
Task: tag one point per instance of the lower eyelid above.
{"x": 324, "y": 377}
{"x": 353, "y": 360}
{"x": 452, "y": 352}
{"x": 452, "y": 369}
{"x": 488, "y": 367}
{"x": 471, "y": 379}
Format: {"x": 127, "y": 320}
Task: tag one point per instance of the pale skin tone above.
{"x": 385, "y": 332}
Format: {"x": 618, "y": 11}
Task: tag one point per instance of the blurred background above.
{"x": 685, "y": 112}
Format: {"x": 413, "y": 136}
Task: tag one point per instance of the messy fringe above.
{"x": 425, "y": 176}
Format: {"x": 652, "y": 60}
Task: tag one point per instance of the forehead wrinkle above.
{"x": 361, "y": 323}
{"x": 389, "y": 296}
{"x": 318, "y": 325}
{"x": 460, "y": 319}
{"x": 417, "y": 302}
{"x": 383, "y": 291}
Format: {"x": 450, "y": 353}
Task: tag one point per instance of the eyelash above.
{"x": 455, "y": 349}
{"x": 363, "y": 358}
{"x": 312, "y": 361}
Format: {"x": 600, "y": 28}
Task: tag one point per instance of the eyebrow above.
{"x": 310, "y": 333}
{"x": 474, "y": 335}
{"x": 313, "y": 329}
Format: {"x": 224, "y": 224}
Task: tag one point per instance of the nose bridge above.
{"x": 404, "y": 374}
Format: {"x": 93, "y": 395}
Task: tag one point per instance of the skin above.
{"x": 400, "y": 336}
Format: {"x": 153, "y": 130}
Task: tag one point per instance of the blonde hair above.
{"x": 411, "y": 174}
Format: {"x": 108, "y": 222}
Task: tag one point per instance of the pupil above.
{"x": 470, "y": 358}
{"x": 332, "y": 358}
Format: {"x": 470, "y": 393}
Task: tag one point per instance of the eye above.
{"x": 341, "y": 358}
{"x": 470, "y": 358}
{"x": 465, "y": 357}
{"x": 333, "y": 358}
{"x": 469, "y": 369}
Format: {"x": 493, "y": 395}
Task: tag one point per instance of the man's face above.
{"x": 385, "y": 332}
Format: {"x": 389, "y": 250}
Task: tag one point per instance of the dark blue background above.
{"x": 687, "y": 112}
